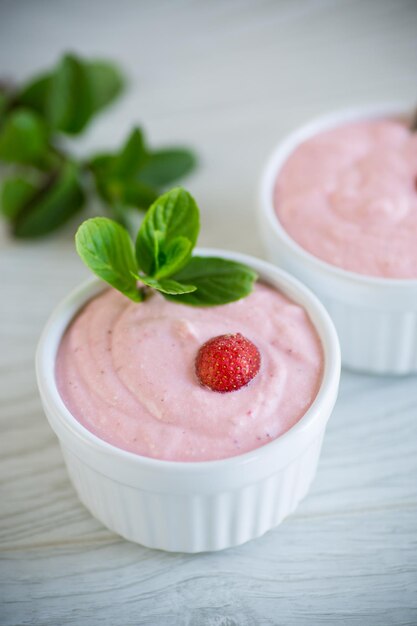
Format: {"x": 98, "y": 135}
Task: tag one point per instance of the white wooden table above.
{"x": 229, "y": 78}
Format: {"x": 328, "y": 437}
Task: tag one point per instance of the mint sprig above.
{"x": 135, "y": 175}
{"x": 35, "y": 120}
{"x": 162, "y": 258}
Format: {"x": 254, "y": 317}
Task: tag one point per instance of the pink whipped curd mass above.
{"x": 126, "y": 371}
{"x": 349, "y": 197}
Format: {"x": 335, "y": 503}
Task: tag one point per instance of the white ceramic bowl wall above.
{"x": 197, "y": 506}
{"x": 376, "y": 318}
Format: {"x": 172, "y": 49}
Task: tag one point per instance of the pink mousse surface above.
{"x": 126, "y": 372}
{"x": 349, "y": 197}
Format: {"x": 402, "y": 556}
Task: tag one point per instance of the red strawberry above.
{"x": 227, "y": 362}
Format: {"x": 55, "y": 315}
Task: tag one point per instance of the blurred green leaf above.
{"x": 71, "y": 94}
{"x": 102, "y": 164}
{"x": 15, "y": 192}
{"x": 106, "y": 83}
{"x": 70, "y": 100}
{"x": 130, "y": 193}
{"x": 63, "y": 100}
{"x": 34, "y": 94}
{"x": 136, "y": 194}
{"x": 119, "y": 213}
{"x": 166, "y": 166}
{"x": 53, "y": 205}
{"x": 116, "y": 174}
{"x": 124, "y": 164}
{"x": 23, "y": 138}
{"x": 3, "y": 105}
{"x": 134, "y": 175}
{"x": 128, "y": 162}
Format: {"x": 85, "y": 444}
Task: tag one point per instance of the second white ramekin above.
{"x": 376, "y": 318}
{"x": 192, "y": 507}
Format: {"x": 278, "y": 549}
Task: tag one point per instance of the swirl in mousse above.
{"x": 127, "y": 372}
{"x": 348, "y": 196}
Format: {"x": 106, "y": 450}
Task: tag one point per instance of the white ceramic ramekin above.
{"x": 197, "y": 506}
{"x": 376, "y": 318}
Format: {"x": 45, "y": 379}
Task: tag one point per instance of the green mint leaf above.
{"x": 101, "y": 165}
{"x": 136, "y": 194}
{"x": 96, "y": 85}
{"x": 130, "y": 193}
{"x": 163, "y": 167}
{"x": 167, "y": 286}
{"x": 127, "y": 163}
{"x": 174, "y": 214}
{"x": 106, "y": 83}
{"x": 70, "y": 100}
{"x": 176, "y": 255}
{"x": 218, "y": 281}
{"x": 138, "y": 172}
{"x": 133, "y": 176}
{"x": 119, "y": 213}
{"x": 15, "y": 193}
{"x": 52, "y": 205}
{"x": 34, "y": 94}
{"x": 106, "y": 248}
{"x": 127, "y": 193}
{"x": 116, "y": 175}
{"x": 23, "y": 137}
{"x": 3, "y": 105}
